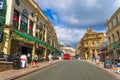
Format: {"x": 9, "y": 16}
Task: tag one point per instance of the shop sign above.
{"x": 25, "y": 12}
{"x": 1, "y": 5}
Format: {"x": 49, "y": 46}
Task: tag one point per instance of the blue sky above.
{"x": 71, "y": 18}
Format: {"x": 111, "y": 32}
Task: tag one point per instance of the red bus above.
{"x": 66, "y": 56}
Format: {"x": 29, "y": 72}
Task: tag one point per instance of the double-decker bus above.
{"x": 66, "y": 56}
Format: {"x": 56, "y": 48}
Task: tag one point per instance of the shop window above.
{"x": 31, "y": 28}
{"x": 24, "y": 20}
{"x": 15, "y": 19}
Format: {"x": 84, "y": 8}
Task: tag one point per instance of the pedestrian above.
{"x": 50, "y": 58}
{"x": 108, "y": 62}
{"x": 28, "y": 57}
{"x": 35, "y": 59}
{"x": 60, "y": 58}
{"x": 23, "y": 60}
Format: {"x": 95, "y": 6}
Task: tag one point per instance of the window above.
{"x": 37, "y": 31}
{"x": 32, "y": 14}
{"x": 96, "y": 36}
{"x": 15, "y": 19}
{"x": 37, "y": 19}
{"x": 92, "y": 43}
{"x": 17, "y": 2}
{"x": 31, "y": 27}
{"x": 97, "y": 43}
{"x": 113, "y": 37}
{"x": 1, "y": 36}
{"x": 112, "y": 24}
{"x": 117, "y": 21}
{"x": 118, "y": 35}
{"x": 24, "y": 20}
{"x": 109, "y": 39}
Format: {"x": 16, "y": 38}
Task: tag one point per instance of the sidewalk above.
{"x": 16, "y": 73}
{"x": 112, "y": 71}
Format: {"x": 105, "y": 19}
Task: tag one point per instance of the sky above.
{"x": 71, "y": 18}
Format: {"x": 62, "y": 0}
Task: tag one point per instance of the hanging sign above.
{"x": 1, "y": 5}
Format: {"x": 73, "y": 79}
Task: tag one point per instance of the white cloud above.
{"x": 67, "y": 35}
{"x": 117, "y": 3}
{"x": 91, "y": 3}
{"x": 78, "y": 14}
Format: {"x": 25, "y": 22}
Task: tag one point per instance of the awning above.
{"x": 28, "y": 37}
{"x": 34, "y": 39}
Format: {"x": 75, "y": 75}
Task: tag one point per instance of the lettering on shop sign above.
{"x": 1, "y": 5}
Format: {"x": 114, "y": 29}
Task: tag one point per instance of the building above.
{"x": 89, "y": 44}
{"x": 78, "y": 49}
{"x": 113, "y": 35}
{"x": 103, "y": 50}
{"x": 68, "y": 50}
{"x": 24, "y": 29}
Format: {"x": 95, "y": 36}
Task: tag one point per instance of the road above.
{"x": 69, "y": 70}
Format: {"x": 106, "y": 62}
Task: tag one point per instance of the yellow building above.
{"x": 90, "y": 43}
{"x": 113, "y": 35}
{"x": 24, "y": 29}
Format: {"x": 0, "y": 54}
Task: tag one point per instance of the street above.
{"x": 69, "y": 70}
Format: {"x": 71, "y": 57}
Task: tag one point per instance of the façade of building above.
{"x": 24, "y": 29}
{"x": 68, "y": 50}
{"x": 88, "y": 46}
{"x": 113, "y": 35}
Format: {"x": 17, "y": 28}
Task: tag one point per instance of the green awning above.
{"x": 34, "y": 39}
{"x": 28, "y": 37}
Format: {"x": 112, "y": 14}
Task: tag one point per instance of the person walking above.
{"x": 35, "y": 58}
{"x": 23, "y": 60}
{"x": 50, "y": 58}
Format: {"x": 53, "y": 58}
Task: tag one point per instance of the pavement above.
{"x": 16, "y": 73}
{"x": 112, "y": 71}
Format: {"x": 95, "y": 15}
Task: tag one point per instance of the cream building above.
{"x": 90, "y": 43}
{"x": 24, "y": 28}
{"x": 113, "y": 35}
{"x": 68, "y": 50}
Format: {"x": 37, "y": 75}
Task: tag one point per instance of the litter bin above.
{"x": 16, "y": 63}
{"x": 108, "y": 64}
